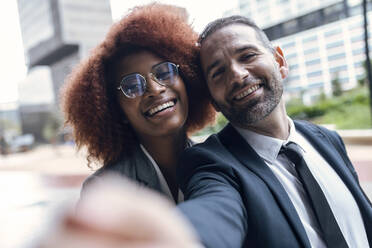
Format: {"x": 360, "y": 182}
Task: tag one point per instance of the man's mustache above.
{"x": 250, "y": 79}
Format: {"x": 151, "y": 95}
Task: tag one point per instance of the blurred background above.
{"x": 326, "y": 43}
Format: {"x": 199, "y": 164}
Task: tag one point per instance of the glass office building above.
{"x": 59, "y": 33}
{"x": 323, "y": 40}
{"x": 56, "y": 35}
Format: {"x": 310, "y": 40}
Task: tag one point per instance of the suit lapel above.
{"x": 145, "y": 171}
{"x": 322, "y": 144}
{"x": 250, "y": 159}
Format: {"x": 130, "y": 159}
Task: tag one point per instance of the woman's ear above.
{"x": 214, "y": 104}
{"x": 282, "y": 63}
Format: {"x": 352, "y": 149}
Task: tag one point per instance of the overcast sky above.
{"x": 12, "y": 63}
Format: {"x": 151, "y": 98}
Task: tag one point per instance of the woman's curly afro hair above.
{"x": 88, "y": 97}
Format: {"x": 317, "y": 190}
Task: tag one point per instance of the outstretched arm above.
{"x": 213, "y": 203}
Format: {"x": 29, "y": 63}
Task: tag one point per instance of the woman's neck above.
{"x": 165, "y": 150}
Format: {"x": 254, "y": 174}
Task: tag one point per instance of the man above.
{"x": 264, "y": 180}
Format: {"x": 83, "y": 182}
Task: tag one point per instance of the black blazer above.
{"x": 234, "y": 199}
{"x": 136, "y": 167}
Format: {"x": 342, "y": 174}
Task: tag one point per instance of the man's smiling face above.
{"x": 243, "y": 76}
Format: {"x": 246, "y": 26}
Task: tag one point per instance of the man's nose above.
{"x": 237, "y": 73}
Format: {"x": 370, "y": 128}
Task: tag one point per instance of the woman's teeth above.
{"x": 160, "y": 107}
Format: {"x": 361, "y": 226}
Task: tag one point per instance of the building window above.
{"x": 312, "y": 62}
{"x": 332, "y": 32}
{"x": 357, "y": 38}
{"x": 316, "y": 85}
{"x": 309, "y": 39}
{"x": 333, "y": 12}
{"x": 293, "y": 88}
{"x": 314, "y": 74}
{"x": 336, "y": 56}
{"x": 358, "y": 51}
{"x": 356, "y": 25}
{"x": 290, "y": 27}
{"x": 293, "y": 77}
{"x": 338, "y": 68}
{"x": 293, "y": 67}
{"x": 355, "y": 10}
{"x": 290, "y": 56}
{"x": 288, "y": 45}
{"x": 335, "y": 44}
{"x": 359, "y": 64}
{"x": 311, "y": 50}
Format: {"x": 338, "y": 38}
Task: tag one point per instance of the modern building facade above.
{"x": 322, "y": 41}
{"x": 56, "y": 34}
{"x": 9, "y": 120}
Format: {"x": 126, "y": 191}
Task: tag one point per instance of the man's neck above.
{"x": 274, "y": 125}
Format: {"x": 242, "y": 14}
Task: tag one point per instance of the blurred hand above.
{"x": 120, "y": 214}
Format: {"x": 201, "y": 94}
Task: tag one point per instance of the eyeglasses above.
{"x": 134, "y": 85}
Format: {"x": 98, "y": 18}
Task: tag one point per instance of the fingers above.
{"x": 118, "y": 213}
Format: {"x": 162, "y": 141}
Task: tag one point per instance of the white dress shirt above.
{"x": 341, "y": 201}
{"x": 163, "y": 183}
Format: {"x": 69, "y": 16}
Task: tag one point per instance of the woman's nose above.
{"x": 153, "y": 87}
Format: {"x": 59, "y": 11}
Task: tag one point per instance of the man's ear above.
{"x": 282, "y": 63}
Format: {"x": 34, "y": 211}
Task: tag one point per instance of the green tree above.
{"x": 52, "y": 127}
{"x": 336, "y": 86}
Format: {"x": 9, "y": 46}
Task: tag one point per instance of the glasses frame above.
{"x": 144, "y": 79}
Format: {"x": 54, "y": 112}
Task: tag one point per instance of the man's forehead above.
{"x": 232, "y": 35}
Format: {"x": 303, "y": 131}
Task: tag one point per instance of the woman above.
{"x": 133, "y": 102}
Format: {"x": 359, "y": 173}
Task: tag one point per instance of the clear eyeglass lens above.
{"x": 133, "y": 85}
{"x": 165, "y": 72}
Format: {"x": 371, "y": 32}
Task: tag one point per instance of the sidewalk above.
{"x": 61, "y": 161}
{"x": 361, "y": 157}
{"x": 33, "y": 184}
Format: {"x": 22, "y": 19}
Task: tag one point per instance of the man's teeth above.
{"x": 247, "y": 92}
{"x": 161, "y": 107}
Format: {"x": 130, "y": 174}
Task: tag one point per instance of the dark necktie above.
{"x": 331, "y": 231}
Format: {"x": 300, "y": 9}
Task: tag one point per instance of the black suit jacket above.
{"x": 235, "y": 200}
{"x": 136, "y": 166}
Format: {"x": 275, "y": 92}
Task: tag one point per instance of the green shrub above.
{"x": 351, "y": 110}
{"x": 220, "y": 123}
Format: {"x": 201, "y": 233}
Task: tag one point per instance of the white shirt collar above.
{"x": 268, "y": 147}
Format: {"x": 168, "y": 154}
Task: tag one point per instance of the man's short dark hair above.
{"x": 235, "y": 19}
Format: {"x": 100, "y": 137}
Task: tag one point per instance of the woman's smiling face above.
{"x": 162, "y": 109}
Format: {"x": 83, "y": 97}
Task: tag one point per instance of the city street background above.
{"x": 323, "y": 42}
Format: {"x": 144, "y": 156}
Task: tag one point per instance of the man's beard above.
{"x": 257, "y": 109}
